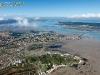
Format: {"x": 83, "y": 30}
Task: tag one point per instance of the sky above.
{"x": 53, "y": 8}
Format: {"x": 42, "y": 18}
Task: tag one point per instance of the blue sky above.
{"x": 52, "y": 8}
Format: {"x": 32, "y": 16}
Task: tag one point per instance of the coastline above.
{"x": 83, "y": 47}
{"x": 86, "y": 48}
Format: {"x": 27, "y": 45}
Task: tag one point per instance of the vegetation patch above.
{"x": 35, "y": 46}
{"x": 39, "y": 64}
{"x": 46, "y": 62}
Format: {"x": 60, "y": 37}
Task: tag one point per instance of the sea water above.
{"x": 51, "y": 25}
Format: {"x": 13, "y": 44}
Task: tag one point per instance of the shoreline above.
{"x": 86, "y": 48}
{"x": 83, "y": 47}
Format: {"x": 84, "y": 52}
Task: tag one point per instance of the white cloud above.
{"x": 88, "y": 15}
{"x": 36, "y": 17}
{"x": 22, "y": 21}
{"x": 34, "y": 24}
{"x": 18, "y": 18}
{"x": 25, "y": 22}
{"x": 1, "y": 18}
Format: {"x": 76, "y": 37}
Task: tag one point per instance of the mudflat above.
{"x": 86, "y": 48}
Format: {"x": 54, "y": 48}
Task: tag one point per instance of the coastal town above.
{"x": 50, "y": 37}
{"x": 15, "y": 48}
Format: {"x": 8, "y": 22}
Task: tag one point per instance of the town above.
{"x": 15, "y": 46}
